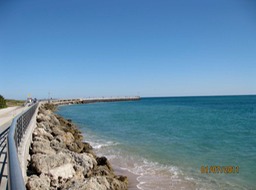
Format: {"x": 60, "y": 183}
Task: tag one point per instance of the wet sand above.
{"x": 161, "y": 179}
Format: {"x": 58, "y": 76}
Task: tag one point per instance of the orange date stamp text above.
{"x": 219, "y": 169}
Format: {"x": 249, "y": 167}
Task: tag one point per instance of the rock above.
{"x": 38, "y": 183}
{"x": 68, "y": 138}
{"x": 102, "y": 171}
{"x": 48, "y": 112}
{"x": 87, "y": 161}
{"x": 72, "y": 184}
{"x": 73, "y": 147}
{"x": 64, "y": 171}
{"x": 57, "y": 131}
{"x": 79, "y": 172}
{"x": 43, "y": 147}
{"x": 42, "y": 133}
{"x": 103, "y": 161}
{"x": 93, "y": 183}
{"x": 122, "y": 178}
{"x": 45, "y": 126}
{"x": 116, "y": 184}
{"x": 99, "y": 183}
{"x": 42, "y": 117}
{"x": 49, "y": 107}
{"x": 57, "y": 145}
{"x": 54, "y": 120}
{"x": 80, "y": 147}
{"x": 61, "y": 160}
{"x": 86, "y": 147}
{"x": 42, "y": 163}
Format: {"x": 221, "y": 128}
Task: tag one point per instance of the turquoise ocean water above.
{"x": 166, "y": 141}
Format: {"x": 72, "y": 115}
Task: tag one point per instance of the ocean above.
{"x": 175, "y": 142}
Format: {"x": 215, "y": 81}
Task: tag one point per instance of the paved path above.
{"x": 8, "y": 114}
{"x": 6, "y": 117}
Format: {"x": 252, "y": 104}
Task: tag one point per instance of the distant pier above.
{"x": 93, "y": 100}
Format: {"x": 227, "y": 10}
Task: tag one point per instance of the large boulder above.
{"x": 80, "y": 147}
{"x": 54, "y": 119}
{"x": 41, "y": 132}
{"x": 87, "y": 161}
{"x": 103, "y": 161}
{"x": 57, "y": 145}
{"x": 68, "y": 138}
{"x": 118, "y": 182}
{"x": 64, "y": 171}
{"x": 41, "y": 117}
{"x": 38, "y": 183}
{"x": 43, "y": 147}
{"x": 100, "y": 183}
{"x": 45, "y": 125}
{"x": 57, "y": 130}
{"x": 42, "y": 163}
{"x": 93, "y": 183}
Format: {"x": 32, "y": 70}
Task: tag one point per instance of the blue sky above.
{"x": 84, "y": 48}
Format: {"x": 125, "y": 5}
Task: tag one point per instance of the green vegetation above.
{"x": 2, "y": 102}
{"x": 11, "y": 103}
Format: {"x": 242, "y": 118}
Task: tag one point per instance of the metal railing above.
{"x": 16, "y": 132}
{"x": 3, "y": 154}
{"x": 3, "y": 137}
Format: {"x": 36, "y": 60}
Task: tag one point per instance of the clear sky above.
{"x": 82, "y": 48}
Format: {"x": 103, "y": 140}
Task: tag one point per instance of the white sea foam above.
{"x": 150, "y": 175}
{"x": 99, "y": 145}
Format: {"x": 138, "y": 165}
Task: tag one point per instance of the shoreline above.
{"x": 138, "y": 176}
{"x": 152, "y": 173}
{"x": 61, "y": 159}
{"x": 132, "y": 178}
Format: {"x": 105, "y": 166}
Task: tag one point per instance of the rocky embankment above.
{"x": 60, "y": 159}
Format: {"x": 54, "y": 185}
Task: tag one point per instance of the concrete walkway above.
{"x": 8, "y": 114}
{"x": 6, "y": 117}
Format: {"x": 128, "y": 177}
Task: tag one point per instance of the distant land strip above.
{"x": 93, "y": 100}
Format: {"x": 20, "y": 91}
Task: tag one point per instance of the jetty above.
{"x": 93, "y": 100}
{"x": 17, "y": 127}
